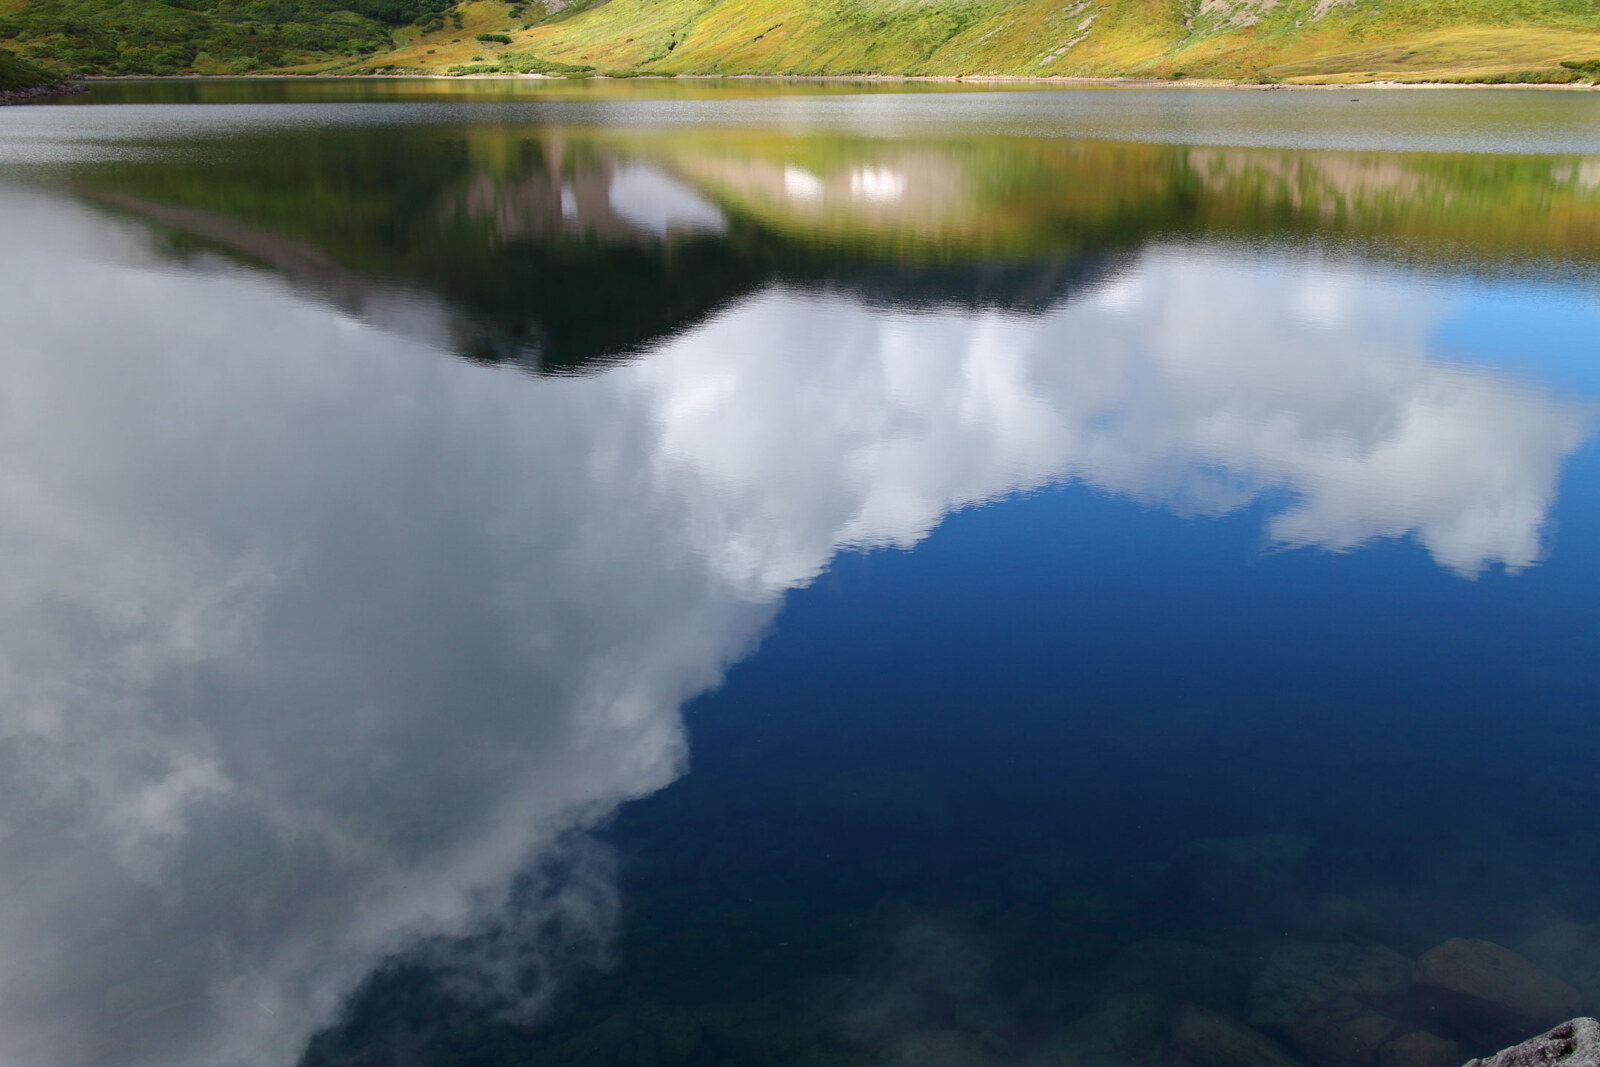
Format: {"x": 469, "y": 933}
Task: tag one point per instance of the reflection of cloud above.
{"x": 312, "y": 638}
{"x": 1199, "y": 384}
{"x": 307, "y": 647}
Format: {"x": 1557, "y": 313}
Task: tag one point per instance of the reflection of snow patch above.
{"x": 658, "y": 203}
{"x": 801, "y": 184}
{"x": 569, "y": 203}
{"x": 877, "y": 184}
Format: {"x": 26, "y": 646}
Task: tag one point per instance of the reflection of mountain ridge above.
{"x": 1030, "y": 288}
{"x": 561, "y": 252}
{"x": 650, "y": 291}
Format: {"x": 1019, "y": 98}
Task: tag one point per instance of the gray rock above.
{"x": 1489, "y": 994}
{"x": 1572, "y": 1044}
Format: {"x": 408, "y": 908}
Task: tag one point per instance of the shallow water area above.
{"x": 705, "y": 574}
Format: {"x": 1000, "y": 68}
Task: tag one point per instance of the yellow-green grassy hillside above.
{"x": 1250, "y": 40}
{"x": 1550, "y": 41}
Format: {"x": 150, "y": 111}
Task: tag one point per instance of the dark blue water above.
{"x": 489, "y": 589}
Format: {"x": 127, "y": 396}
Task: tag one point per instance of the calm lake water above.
{"x": 708, "y": 575}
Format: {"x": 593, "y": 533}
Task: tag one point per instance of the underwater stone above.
{"x": 1179, "y": 972}
{"x": 1332, "y": 1001}
{"x": 941, "y": 1048}
{"x": 1343, "y": 1033}
{"x": 1206, "y": 1039}
{"x": 1129, "y": 1030}
{"x": 1575, "y": 1043}
{"x": 1488, "y": 993}
{"x": 1420, "y": 1049}
{"x": 1571, "y": 952}
{"x": 1300, "y": 977}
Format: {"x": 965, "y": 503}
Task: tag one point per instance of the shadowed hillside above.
{"x": 18, "y": 76}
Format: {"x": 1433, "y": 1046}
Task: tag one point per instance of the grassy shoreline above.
{"x": 1063, "y": 81}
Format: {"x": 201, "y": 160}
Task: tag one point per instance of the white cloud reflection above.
{"x": 1195, "y": 381}
{"x": 310, "y": 638}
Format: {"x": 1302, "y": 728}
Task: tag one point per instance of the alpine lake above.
{"x": 767, "y": 574}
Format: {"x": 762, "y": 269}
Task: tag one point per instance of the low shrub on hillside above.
{"x": 523, "y": 63}
{"x": 1557, "y": 76}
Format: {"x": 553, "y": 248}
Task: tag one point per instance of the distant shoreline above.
{"x": 1065, "y": 81}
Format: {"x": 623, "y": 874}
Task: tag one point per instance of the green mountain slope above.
{"x": 202, "y": 36}
{"x": 1247, "y": 39}
{"x": 18, "y": 75}
{"x": 1251, "y": 40}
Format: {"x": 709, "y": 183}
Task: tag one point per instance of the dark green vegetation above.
{"x": 18, "y": 75}
{"x": 206, "y": 36}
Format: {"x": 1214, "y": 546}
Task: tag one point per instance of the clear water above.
{"x": 714, "y": 575}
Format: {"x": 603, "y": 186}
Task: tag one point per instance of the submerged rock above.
{"x": 1575, "y": 1043}
{"x": 1334, "y": 1002}
{"x": 1206, "y": 1039}
{"x": 1179, "y": 972}
{"x": 1489, "y": 994}
{"x": 1300, "y": 975}
{"x": 1420, "y": 1049}
{"x": 1571, "y": 952}
{"x": 1344, "y": 1033}
{"x": 1125, "y": 1031}
{"x": 941, "y": 1048}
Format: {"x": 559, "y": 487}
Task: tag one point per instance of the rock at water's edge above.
{"x": 1572, "y": 1044}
